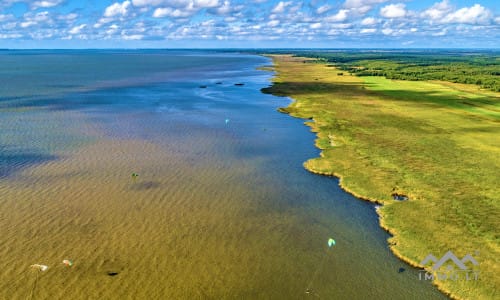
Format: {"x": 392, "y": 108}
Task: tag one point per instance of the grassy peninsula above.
{"x": 436, "y": 143}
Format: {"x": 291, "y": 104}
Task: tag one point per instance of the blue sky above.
{"x": 249, "y": 24}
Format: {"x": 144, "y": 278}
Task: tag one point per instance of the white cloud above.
{"x": 77, "y": 29}
{"x": 116, "y": 9}
{"x": 68, "y": 17}
{"x": 438, "y": 10}
{"x": 273, "y": 23}
{"x": 441, "y": 33}
{"x": 10, "y": 35}
{"x": 224, "y": 9}
{"x": 8, "y": 17}
{"x": 368, "y": 30}
{"x": 362, "y": 6}
{"x": 31, "y": 19}
{"x": 393, "y": 11}
{"x": 112, "y": 29}
{"x": 174, "y": 13}
{"x": 280, "y": 7}
{"x": 148, "y": 2}
{"x": 341, "y": 25}
{"x": 9, "y": 26}
{"x": 368, "y": 21}
{"x": 323, "y": 9}
{"x": 27, "y": 24}
{"x": 315, "y": 26}
{"x": 45, "y": 3}
{"x": 208, "y": 3}
{"x": 387, "y": 31}
{"x": 187, "y": 8}
{"x": 476, "y": 14}
{"x": 338, "y": 17}
{"x": 132, "y": 37}
{"x": 497, "y": 20}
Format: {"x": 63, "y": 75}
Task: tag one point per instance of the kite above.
{"x": 309, "y": 290}
{"x": 135, "y": 175}
{"x": 67, "y": 262}
{"x": 42, "y": 268}
{"x": 227, "y": 121}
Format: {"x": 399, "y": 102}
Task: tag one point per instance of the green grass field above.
{"x": 437, "y": 143}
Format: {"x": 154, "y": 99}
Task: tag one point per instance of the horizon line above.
{"x": 258, "y": 48}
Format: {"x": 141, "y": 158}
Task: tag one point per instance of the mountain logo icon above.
{"x": 449, "y": 256}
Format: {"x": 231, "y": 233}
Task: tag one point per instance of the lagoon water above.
{"x": 220, "y": 209}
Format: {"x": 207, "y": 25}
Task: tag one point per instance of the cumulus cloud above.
{"x": 31, "y": 19}
{"x": 45, "y": 3}
{"x": 224, "y": 9}
{"x": 8, "y": 17}
{"x": 338, "y": 17}
{"x": 132, "y": 37}
{"x": 387, "y": 31}
{"x": 10, "y": 35}
{"x": 174, "y": 13}
{"x": 187, "y": 8}
{"x": 117, "y": 9}
{"x": 368, "y": 30}
{"x": 77, "y": 29}
{"x": 393, "y": 11}
{"x": 315, "y": 26}
{"x": 362, "y": 6}
{"x": 476, "y": 14}
{"x": 273, "y": 23}
{"x": 323, "y": 9}
{"x": 68, "y": 17}
{"x": 147, "y": 2}
{"x": 210, "y": 20}
{"x": 281, "y": 6}
{"x": 438, "y": 10}
{"x": 368, "y": 21}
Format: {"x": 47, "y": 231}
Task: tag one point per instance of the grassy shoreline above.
{"x": 435, "y": 143}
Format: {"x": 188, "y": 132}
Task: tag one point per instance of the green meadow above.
{"x": 433, "y": 143}
{"x": 459, "y": 66}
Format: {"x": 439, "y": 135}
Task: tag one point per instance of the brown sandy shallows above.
{"x": 178, "y": 231}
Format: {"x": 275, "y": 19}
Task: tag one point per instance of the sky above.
{"x": 249, "y": 24}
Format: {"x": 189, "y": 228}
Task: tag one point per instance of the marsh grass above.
{"x": 438, "y": 143}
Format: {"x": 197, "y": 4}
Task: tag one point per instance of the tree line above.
{"x": 478, "y": 67}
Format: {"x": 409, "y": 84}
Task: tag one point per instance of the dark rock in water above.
{"x": 239, "y": 84}
{"x": 399, "y": 197}
{"x": 218, "y": 82}
{"x": 401, "y": 270}
{"x": 203, "y": 86}
{"x": 110, "y": 273}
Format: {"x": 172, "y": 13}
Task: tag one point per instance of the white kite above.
{"x": 39, "y": 267}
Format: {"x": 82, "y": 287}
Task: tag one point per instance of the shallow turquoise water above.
{"x": 53, "y": 103}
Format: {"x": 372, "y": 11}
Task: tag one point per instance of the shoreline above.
{"x": 291, "y": 89}
{"x": 386, "y": 228}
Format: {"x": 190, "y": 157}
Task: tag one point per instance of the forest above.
{"x": 477, "y": 67}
